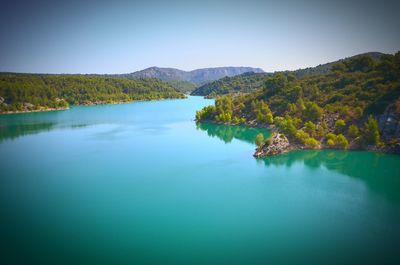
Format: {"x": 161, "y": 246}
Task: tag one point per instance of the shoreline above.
{"x": 85, "y": 104}
{"x": 259, "y": 153}
{"x": 32, "y": 111}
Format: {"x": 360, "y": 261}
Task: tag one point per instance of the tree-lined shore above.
{"x": 354, "y": 105}
{"x": 35, "y": 92}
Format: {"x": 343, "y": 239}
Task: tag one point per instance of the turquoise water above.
{"x": 141, "y": 183}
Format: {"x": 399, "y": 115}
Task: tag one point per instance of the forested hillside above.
{"x": 356, "y": 104}
{"x": 182, "y": 86}
{"x": 244, "y": 83}
{"x": 28, "y": 92}
{"x": 250, "y": 82}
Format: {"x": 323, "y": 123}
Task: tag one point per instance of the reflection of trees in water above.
{"x": 381, "y": 172}
{"x": 229, "y": 132}
{"x": 13, "y": 130}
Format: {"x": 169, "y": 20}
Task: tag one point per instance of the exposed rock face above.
{"x": 330, "y": 121}
{"x": 389, "y": 123}
{"x": 198, "y": 76}
{"x": 28, "y": 105}
{"x": 278, "y": 144}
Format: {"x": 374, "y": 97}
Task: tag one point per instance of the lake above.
{"x": 141, "y": 183}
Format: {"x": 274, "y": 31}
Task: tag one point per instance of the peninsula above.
{"x": 354, "y": 104}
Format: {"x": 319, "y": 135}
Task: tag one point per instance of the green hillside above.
{"x": 338, "y": 109}
{"x": 250, "y": 82}
{"x": 28, "y": 92}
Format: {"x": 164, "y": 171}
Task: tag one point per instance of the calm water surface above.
{"x": 141, "y": 183}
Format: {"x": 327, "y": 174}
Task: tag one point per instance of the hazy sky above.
{"x": 125, "y": 36}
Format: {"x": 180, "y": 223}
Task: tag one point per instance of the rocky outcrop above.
{"x": 389, "y": 127}
{"x": 389, "y": 122}
{"x": 329, "y": 120}
{"x": 277, "y": 144}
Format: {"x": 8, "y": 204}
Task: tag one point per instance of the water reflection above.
{"x": 227, "y": 132}
{"x": 380, "y": 172}
{"x": 12, "y": 130}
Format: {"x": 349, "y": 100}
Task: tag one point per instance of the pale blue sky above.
{"x": 125, "y": 36}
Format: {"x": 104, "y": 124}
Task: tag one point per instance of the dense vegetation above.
{"x": 24, "y": 92}
{"x": 338, "y": 109}
{"x": 250, "y": 82}
{"x": 244, "y": 83}
{"x": 183, "y": 86}
{"x": 227, "y": 133}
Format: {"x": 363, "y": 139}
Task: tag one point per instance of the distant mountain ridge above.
{"x": 198, "y": 76}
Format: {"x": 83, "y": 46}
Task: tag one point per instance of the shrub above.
{"x": 269, "y": 140}
{"x": 269, "y": 118}
{"x": 371, "y": 131}
{"x": 312, "y": 111}
{"x": 262, "y": 111}
{"x": 312, "y": 143}
{"x": 339, "y": 126}
{"x": 360, "y": 63}
{"x": 259, "y": 139}
{"x": 353, "y": 130}
{"x": 301, "y": 136}
{"x": 331, "y": 136}
{"x": 206, "y": 113}
{"x": 275, "y": 84}
{"x": 225, "y": 117}
{"x": 278, "y": 120}
{"x": 341, "y": 142}
{"x": 287, "y": 126}
{"x": 358, "y": 111}
{"x": 310, "y": 128}
{"x": 330, "y": 143}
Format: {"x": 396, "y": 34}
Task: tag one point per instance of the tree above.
{"x": 339, "y": 67}
{"x": 312, "y": 111}
{"x": 302, "y": 136}
{"x": 310, "y": 128}
{"x": 371, "y": 131}
{"x": 293, "y": 93}
{"x": 269, "y": 118}
{"x": 259, "y": 139}
{"x": 300, "y": 105}
{"x": 330, "y": 143}
{"x": 361, "y": 63}
{"x": 339, "y": 126}
{"x": 207, "y": 113}
{"x": 330, "y": 140}
{"x": 312, "y": 143}
{"x": 341, "y": 141}
{"x": 275, "y": 84}
{"x": 262, "y": 111}
{"x": 224, "y": 108}
{"x": 287, "y": 126}
{"x": 353, "y": 131}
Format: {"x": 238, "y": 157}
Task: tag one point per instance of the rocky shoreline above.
{"x": 34, "y": 110}
{"x": 45, "y": 109}
{"x": 277, "y": 144}
{"x": 280, "y": 144}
